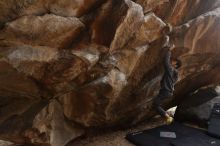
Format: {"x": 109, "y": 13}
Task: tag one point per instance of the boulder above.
{"x": 197, "y": 108}
{"x": 132, "y": 21}
{"x": 48, "y": 30}
{"x": 13, "y": 9}
{"x": 52, "y": 127}
{"x": 151, "y": 5}
{"x": 97, "y": 63}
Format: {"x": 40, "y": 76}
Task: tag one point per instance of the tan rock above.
{"x": 193, "y": 35}
{"x": 71, "y": 8}
{"x": 151, "y": 29}
{"x": 15, "y": 84}
{"x": 48, "y": 30}
{"x": 57, "y": 71}
{"x": 185, "y": 10}
{"x": 18, "y": 127}
{"x": 131, "y": 23}
{"x": 31, "y": 60}
{"x": 107, "y": 90}
{"x": 150, "y": 5}
{"x": 40, "y": 66}
{"x": 12, "y": 9}
{"x": 89, "y": 53}
{"x": 105, "y": 23}
{"x": 6, "y": 143}
{"x": 53, "y": 127}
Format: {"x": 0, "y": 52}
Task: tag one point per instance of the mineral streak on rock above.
{"x": 71, "y": 64}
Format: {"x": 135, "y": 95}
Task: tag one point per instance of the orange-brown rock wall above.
{"x": 70, "y": 64}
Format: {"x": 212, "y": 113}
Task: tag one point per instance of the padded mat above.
{"x": 152, "y": 137}
{"x": 201, "y": 140}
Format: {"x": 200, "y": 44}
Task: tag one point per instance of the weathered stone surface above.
{"x": 5, "y": 143}
{"x": 197, "y": 107}
{"x": 48, "y": 30}
{"x": 150, "y": 30}
{"x": 53, "y": 127}
{"x": 180, "y": 11}
{"x": 184, "y": 11}
{"x": 12, "y": 9}
{"x": 16, "y": 126}
{"x": 151, "y": 5}
{"x": 131, "y": 23}
{"x": 102, "y": 69}
{"x": 107, "y": 20}
{"x": 193, "y": 35}
{"x": 71, "y": 7}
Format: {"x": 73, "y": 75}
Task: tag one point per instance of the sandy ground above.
{"x": 110, "y": 137}
{"x": 6, "y": 143}
{"x": 115, "y": 138}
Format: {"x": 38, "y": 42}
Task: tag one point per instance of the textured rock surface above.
{"x": 53, "y": 127}
{"x": 197, "y": 107}
{"x": 58, "y": 32}
{"x": 6, "y": 143}
{"x": 96, "y": 63}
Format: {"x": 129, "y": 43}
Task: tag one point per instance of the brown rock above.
{"x": 180, "y": 11}
{"x": 151, "y": 5}
{"x": 57, "y": 71}
{"x": 48, "y": 30}
{"x": 12, "y": 9}
{"x": 18, "y": 127}
{"x": 194, "y": 35}
{"x": 53, "y": 127}
{"x": 71, "y": 8}
{"x": 197, "y": 107}
{"x": 151, "y": 29}
{"x": 107, "y": 20}
{"x": 126, "y": 30}
{"x": 184, "y": 11}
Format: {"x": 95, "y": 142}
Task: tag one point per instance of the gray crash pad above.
{"x": 152, "y": 137}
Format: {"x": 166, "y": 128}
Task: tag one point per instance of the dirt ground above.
{"x": 115, "y": 138}
{"x": 6, "y": 143}
{"x": 108, "y": 137}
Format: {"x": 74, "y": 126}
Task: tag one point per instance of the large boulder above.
{"x": 13, "y": 9}
{"x": 197, "y": 107}
{"x": 48, "y": 30}
{"x": 51, "y": 126}
{"x": 67, "y": 65}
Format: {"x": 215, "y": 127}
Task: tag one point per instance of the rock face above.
{"x": 197, "y": 107}
{"x": 58, "y": 31}
{"x": 67, "y": 65}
